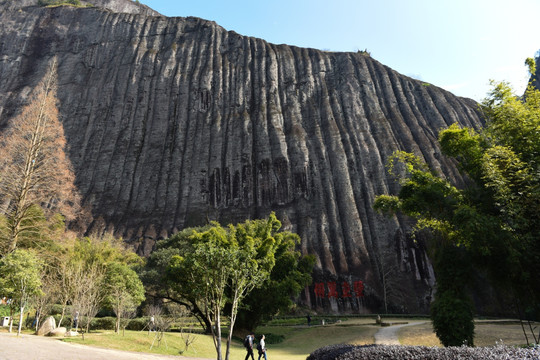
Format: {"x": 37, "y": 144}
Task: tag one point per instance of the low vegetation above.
{"x": 288, "y": 340}
{"x": 398, "y": 352}
{"x": 491, "y": 226}
{"x": 58, "y": 2}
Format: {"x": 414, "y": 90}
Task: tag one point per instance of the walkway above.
{"x": 33, "y": 347}
{"x": 387, "y": 335}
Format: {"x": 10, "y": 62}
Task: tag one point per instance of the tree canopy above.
{"x": 495, "y": 219}
{"x": 212, "y": 270}
{"x": 20, "y": 278}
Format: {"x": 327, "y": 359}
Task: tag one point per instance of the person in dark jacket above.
{"x": 249, "y": 346}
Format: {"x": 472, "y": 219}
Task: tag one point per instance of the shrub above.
{"x": 453, "y": 320}
{"x": 58, "y": 2}
{"x": 398, "y": 352}
{"x": 104, "y": 323}
{"x": 137, "y": 324}
{"x": 65, "y": 322}
{"x": 56, "y": 309}
{"x": 4, "y": 310}
{"x": 273, "y": 338}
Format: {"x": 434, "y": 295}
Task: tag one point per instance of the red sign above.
{"x": 319, "y": 290}
{"x": 346, "y": 289}
{"x": 359, "y": 288}
{"x": 332, "y": 290}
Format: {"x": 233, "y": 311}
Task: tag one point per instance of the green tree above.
{"x": 20, "y": 278}
{"x": 496, "y": 216}
{"x": 211, "y": 270}
{"x": 434, "y": 202}
{"x": 289, "y": 276}
{"x": 223, "y": 265}
{"x": 83, "y": 277}
{"x": 509, "y": 179}
{"x": 124, "y": 290}
{"x": 158, "y": 282}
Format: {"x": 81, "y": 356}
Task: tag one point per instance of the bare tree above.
{"x": 87, "y": 293}
{"x": 160, "y": 324}
{"x": 388, "y": 274}
{"x": 128, "y": 316}
{"x": 34, "y": 169}
{"x": 186, "y": 329}
{"x": 43, "y": 302}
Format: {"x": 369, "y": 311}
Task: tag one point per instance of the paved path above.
{"x": 31, "y": 347}
{"x": 387, "y": 335}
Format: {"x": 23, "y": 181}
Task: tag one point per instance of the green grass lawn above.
{"x": 142, "y": 341}
{"x": 299, "y": 340}
{"x": 487, "y": 333}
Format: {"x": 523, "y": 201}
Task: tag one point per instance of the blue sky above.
{"x": 458, "y": 45}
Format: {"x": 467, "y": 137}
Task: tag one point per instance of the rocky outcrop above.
{"x": 172, "y": 122}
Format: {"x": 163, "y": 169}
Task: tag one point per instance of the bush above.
{"x": 138, "y": 324}
{"x": 453, "y": 320}
{"x": 4, "y": 310}
{"x": 273, "y": 338}
{"x": 104, "y": 323}
{"x": 58, "y": 2}
{"x": 398, "y": 352}
{"x": 65, "y": 322}
{"x": 56, "y": 309}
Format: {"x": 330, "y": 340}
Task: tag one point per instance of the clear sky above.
{"x": 455, "y": 44}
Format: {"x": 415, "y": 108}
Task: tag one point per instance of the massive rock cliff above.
{"x": 172, "y": 122}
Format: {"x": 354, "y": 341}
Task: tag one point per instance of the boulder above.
{"x": 48, "y": 325}
{"x": 71, "y": 333}
{"x": 58, "y": 332}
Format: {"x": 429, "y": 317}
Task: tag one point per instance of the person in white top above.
{"x": 262, "y": 348}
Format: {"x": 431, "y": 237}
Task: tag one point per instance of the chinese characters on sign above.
{"x": 332, "y": 286}
{"x": 319, "y": 290}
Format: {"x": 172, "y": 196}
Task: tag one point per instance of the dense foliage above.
{"x": 20, "y": 280}
{"x": 494, "y": 220}
{"x": 58, "y": 2}
{"x": 398, "y": 352}
{"x": 290, "y": 275}
{"x": 213, "y": 271}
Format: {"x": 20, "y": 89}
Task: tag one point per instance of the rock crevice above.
{"x": 172, "y": 122}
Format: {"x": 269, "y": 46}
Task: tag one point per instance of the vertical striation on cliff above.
{"x": 175, "y": 121}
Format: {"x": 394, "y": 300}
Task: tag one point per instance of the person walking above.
{"x": 76, "y": 320}
{"x": 262, "y": 348}
{"x": 248, "y": 343}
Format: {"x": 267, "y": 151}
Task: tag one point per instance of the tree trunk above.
{"x": 234, "y": 311}
{"x": 20, "y": 321}
{"x": 62, "y": 316}
{"x": 10, "y": 318}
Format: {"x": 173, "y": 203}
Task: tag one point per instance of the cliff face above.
{"x": 175, "y": 121}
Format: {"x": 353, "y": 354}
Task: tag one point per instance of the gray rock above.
{"x": 47, "y": 327}
{"x": 58, "y": 332}
{"x": 172, "y": 122}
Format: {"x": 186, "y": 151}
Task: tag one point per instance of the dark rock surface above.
{"x": 175, "y": 121}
